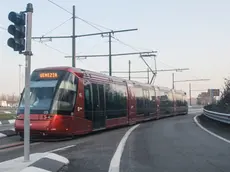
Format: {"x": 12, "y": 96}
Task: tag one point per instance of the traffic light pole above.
{"x": 28, "y": 54}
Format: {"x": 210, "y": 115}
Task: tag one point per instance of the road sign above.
{"x": 214, "y": 92}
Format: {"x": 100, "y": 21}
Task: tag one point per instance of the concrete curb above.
{"x": 50, "y": 163}
{"x": 39, "y": 162}
{"x": 7, "y": 133}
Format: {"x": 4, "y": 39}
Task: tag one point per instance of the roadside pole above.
{"x": 28, "y": 54}
{"x": 21, "y": 30}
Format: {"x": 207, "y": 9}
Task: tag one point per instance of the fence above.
{"x": 222, "y": 117}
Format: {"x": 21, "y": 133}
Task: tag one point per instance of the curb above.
{"x": 50, "y": 163}
{"x": 7, "y": 133}
{"x": 39, "y": 162}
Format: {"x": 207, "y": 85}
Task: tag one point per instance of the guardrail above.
{"x": 222, "y": 117}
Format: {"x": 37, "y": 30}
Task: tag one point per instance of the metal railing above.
{"x": 222, "y": 117}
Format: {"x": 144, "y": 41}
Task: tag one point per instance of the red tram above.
{"x": 68, "y": 101}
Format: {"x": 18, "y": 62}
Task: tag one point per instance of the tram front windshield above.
{"x": 41, "y": 95}
{"x": 51, "y": 91}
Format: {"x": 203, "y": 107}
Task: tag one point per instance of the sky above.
{"x": 192, "y": 34}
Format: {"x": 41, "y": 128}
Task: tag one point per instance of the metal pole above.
{"x": 190, "y": 96}
{"x": 19, "y": 91}
{"x": 129, "y": 69}
{"x": 110, "y": 56}
{"x": 148, "y": 74}
{"x": 155, "y": 63}
{"x": 173, "y": 79}
{"x": 210, "y": 94}
{"x": 73, "y": 39}
{"x": 28, "y": 54}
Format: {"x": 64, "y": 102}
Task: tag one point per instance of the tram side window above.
{"x": 180, "y": 100}
{"x": 116, "y": 100}
{"x": 170, "y": 98}
{"x": 184, "y": 100}
{"x": 146, "y": 99}
{"x": 95, "y": 97}
{"x": 164, "y": 100}
{"x": 177, "y": 96}
{"x": 139, "y": 100}
{"x": 65, "y": 98}
{"x": 152, "y": 99}
{"x": 88, "y": 102}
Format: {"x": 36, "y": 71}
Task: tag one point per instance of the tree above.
{"x": 225, "y": 96}
{"x": 198, "y": 101}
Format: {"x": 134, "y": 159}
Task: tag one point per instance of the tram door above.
{"x": 99, "y": 119}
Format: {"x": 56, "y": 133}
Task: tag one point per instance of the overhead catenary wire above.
{"x": 57, "y": 27}
{"x": 93, "y": 25}
{"x": 57, "y": 50}
{"x": 130, "y": 46}
{"x": 60, "y": 7}
{"x": 87, "y": 22}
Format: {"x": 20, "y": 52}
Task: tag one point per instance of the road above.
{"x": 6, "y": 127}
{"x": 175, "y": 144}
{"x": 170, "y": 144}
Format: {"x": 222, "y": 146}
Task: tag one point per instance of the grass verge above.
{"x": 7, "y": 116}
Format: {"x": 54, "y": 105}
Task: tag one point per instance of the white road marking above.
{"x": 208, "y": 131}
{"x": 115, "y": 162}
{"x": 11, "y": 121}
{"x": 2, "y": 135}
{"x": 34, "y": 169}
{"x": 57, "y": 157}
{"x": 63, "y": 148}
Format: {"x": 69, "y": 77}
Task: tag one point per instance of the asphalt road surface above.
{"x": 6, "y": 127}
{"x": 170, "y": 144}
{"x": 216, "y": 127}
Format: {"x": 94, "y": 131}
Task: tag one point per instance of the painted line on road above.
{"x": 2, "y": 135}
{"x": 11, "y": 121}
{"x": 208, "y": 131}
{"x": 63, "y": 148}
{"x": 36, "y": 169}
{"x": 17, "y": 147}
{"x": 7, "y": 133}
{"x": 115, "y": 162}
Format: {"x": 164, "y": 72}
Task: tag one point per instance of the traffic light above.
{"x": 17, "y": 30}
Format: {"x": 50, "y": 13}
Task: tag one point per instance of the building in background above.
{"x": 9, "y": 100}
{"x": 208, "y": 97}
{"x": 3, "y": 103}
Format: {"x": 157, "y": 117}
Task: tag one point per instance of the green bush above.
{"x": 7, "y": 116}
{"x": 223, "y": 105}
